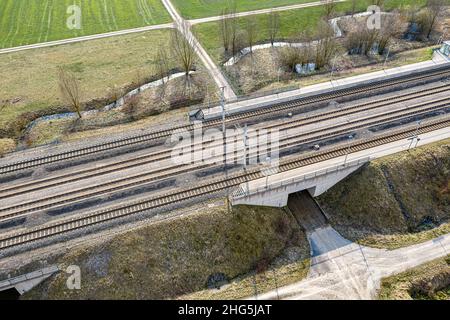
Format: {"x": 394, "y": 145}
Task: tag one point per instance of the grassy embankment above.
{"x": 27, "y": 22}
{"x": 176, "y": 256}
{"x": 395, "y": 201}
{"x": 430, "y": 281}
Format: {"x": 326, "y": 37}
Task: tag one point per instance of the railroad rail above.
{"x": 18, "y": 189}
{"x": 211, "y": 187}
{"x": 274, "y": 109}
{"x": 160, "y": 174}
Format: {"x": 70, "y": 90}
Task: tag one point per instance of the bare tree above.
{"x": 139, "y": 78}
{"x": 353, "y": 7}
{"x": 162, "y": 65}
{"x": 291, "y": 56}
{"x": 114, "y": 92}
{"x": 378, "y": 3}
{"x": 250, "y": 31}
{"x": 410, "y": 13}
{"x": 361, "y": 40}
{"x": 225, "y": 29}
{"x": 234, "y": 31}
{"x": 131, "y": 105}
{"x": 229, "y": 28}
{"x": 391, "y": 28}
{"x": 184, "y": 48}
{"x": 162, "y": 70}
{"x": 326, "y": 44}
{"x": 329, "y": 7}
{"x": 70, "y": 89}
{"x": 273, "y": 26}
{"x": 429, "y": 18}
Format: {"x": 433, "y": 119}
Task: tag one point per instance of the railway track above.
{"x": 274, "y": 109}
{"x": 18, "y": 189}
{"x": 211, "y": 187}
{"x": 164, "y": 173}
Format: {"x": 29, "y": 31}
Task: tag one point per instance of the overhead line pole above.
{"x": 224, "y": 132}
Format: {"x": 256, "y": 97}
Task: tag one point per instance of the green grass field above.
{"x": 193, "y": 9}
{"x": 25, "y": 22}
{"x": 291, "y": 23}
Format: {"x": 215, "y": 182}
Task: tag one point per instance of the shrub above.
{"x": 130, "y": 106}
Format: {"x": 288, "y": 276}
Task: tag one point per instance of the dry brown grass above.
{"x": 292, "y": 266}
{"x": 417, "y": 282}
{"x": 148, "y": 110}
{"x": 6, "y": 146}
{"x": 174, "y": 257}
{"x": 395, "y": 201}
{"x": 261, "y": 73}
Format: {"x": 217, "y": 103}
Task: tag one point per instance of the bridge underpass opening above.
{"x": 9, "y": 294}
{"x": 306, "y": 211}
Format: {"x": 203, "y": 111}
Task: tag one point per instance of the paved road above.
{"x": 204, "y": 57}
{"x": 341, "y": 269}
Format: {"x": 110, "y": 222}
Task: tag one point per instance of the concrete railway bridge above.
{"x": 274, "y": 190}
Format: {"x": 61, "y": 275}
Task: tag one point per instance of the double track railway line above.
{"x": 57, "y": 180}
{"x": 439, "y": 73}
{"x": 157, "y": 175}
{"x": 64, "y": 226}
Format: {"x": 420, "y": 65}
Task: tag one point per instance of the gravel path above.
{"x": 341, "y": 269}
{"x": 185, "y": 28}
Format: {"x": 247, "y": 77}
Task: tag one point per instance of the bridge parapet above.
{"x": 276, "y": 192}
{"x": 27, "y": 281}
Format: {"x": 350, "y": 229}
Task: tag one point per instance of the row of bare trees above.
{"x": 183, "y": 54}
{"x": 427, "y": 19}
{"x": 236, "y": 34}
{"x": 362, "y": 40}
{"x": 229, "y": 29}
